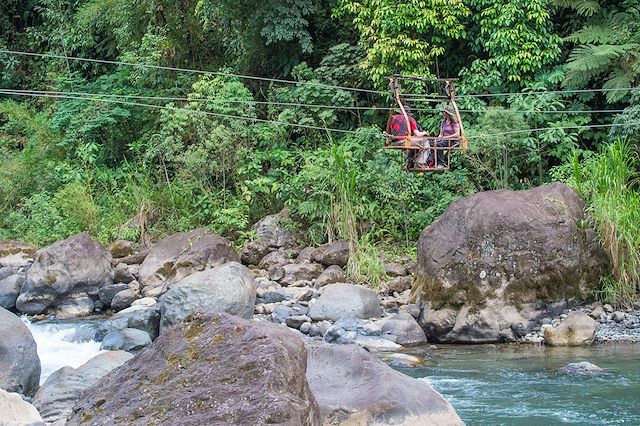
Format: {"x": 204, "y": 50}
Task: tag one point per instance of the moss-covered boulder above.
{"x": 180, "y": 255}
{"x": 211, "y": 369}
{"x": 496, "y": 261}
{"x": 66, "y": 277}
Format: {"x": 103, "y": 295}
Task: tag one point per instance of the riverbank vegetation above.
{"x": 140, "y": 152}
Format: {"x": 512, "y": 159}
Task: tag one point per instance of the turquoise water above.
{"x": 521, "y": 385}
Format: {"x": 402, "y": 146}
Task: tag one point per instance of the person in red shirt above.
{"x": 400, "y": 127}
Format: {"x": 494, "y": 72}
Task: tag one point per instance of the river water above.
{"x": 486, "y": 384}
{"x": 62, "y": 343}
{"x": 521, "y": 385}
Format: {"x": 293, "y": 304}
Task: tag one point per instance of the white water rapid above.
{"x": 62, "y": 343}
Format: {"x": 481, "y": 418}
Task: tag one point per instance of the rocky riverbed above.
{"x": 515, "y": 268}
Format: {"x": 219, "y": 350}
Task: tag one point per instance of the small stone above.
{"x": 297, "y": 321}
{"x": 314, "y": 331}
{"x": 395, "y": 270}
{"x": 134, "y": 286}
{"x": 404, "y": 360}
{"x": 608, "y": 308}
{"x": 545, "y": 321}
{"x": 305, "y": 327}
{"x": 276, "y": 272}
{"x": 597, "y": 312}
{"x": 324, "y": 326}
{"x": 581, "y": 368}
{"x": 145, "y": 301}
{"x": 618, "y": 316}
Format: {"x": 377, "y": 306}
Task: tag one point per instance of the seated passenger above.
{"x": 449, "y": 136}
{"x": 399, "y": 127}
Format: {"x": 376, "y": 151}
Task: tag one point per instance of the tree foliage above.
{"x": 405, "y": 37}
{"x": 606, "y": 48}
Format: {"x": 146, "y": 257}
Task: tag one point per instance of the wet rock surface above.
{"x": 19, "y": 362}
{"x": 581, "y": 368}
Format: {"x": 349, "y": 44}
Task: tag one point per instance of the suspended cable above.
{"x": 547, "y": 92}
{"x": 207, "y": 100}
{"x": 215, "y": 114}
{"x": 328, "y": 129}
{"x": 141, "y": 65}
{"x": 193, "y": 71}
{"x": 514, "y": 132}
{"x": 303, "y": 105}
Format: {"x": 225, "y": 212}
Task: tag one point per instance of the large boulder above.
{"x": 211, "y": 369}
{"x": 14, "y": 411}
{"x": 576, "y": 330}
{"x": 19, "y": 362}
{"x": 66, "y": 271}
{"x": 63, "y": 388}
{"x": 228, "y": 288}
{"x": 345, "y": 300}
{"x": 180, "y": 255}
{"x": 274, "y": 230}
{"x": 502, "y": 258}
{"x": 353, "y": 387}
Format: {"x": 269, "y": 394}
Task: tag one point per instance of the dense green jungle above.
{"x": 548, "y": 91}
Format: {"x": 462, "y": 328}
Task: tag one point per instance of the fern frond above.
{"x": 583, "y": 7}
{"x": 618, "y": 79}
{"x": 595, "y": 34}
{"x": 588, "y": 61}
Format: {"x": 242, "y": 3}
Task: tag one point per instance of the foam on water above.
{"x": 59, "y": 345}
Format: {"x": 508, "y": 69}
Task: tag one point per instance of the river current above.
{"x": 486, "y": 384}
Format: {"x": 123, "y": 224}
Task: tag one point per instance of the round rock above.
{"x": 341, "y": 300}
{"x": 228, "y": 288}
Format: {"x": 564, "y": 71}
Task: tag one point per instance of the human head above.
{"x": 449, "y": 113}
